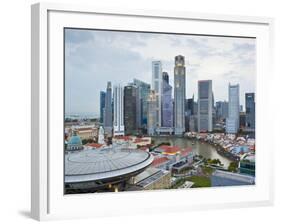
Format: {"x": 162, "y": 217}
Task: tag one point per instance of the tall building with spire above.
{"x": 156, "y": 85}
{"x": 179, "y": 95}
{"x": 108, "y": 110}
{"x": 118, "y": 115}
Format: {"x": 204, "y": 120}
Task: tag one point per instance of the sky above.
{"x": 93, "y": 57}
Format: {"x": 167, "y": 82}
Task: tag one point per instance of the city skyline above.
{"x": 120, "y": 57}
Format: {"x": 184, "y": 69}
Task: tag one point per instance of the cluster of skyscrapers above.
{"x": 159, "y": 108}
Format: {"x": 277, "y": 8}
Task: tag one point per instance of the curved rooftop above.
{"x": 75, "y": 140}
{"x": 106, "y": 163}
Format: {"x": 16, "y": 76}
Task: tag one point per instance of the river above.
{"x": 200, "y": 148}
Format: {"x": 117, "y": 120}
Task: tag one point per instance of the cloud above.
{"x": 95, "y": 57}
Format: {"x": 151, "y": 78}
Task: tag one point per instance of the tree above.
{"x": 233, "y": 166}
{"x": 84, "y": 141}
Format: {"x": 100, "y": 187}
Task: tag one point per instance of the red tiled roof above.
{"x": 158, "y": 161}
{"x": 126, "y": 138}
{"x": 186, "y": 151}
{"x": 94, "y": 145}
{"x": 138, "y": 140}
{"x": 169, "y": 149}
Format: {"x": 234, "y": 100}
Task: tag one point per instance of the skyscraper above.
{"x": 188, "y": 111}
{"x": 167, "y": 103}
{"x": 151, "y": 118}
{"x": 102, "y": 105}
{"x": 118, "y": 115}
{"x": 250, "y": 110}
{"x": 157, "y": 87}
{"x": 179, "y": 95}
{"x": 205, "y": 106}
{"x": 233, "y": 120}
{"x": 108, "y": 110}
{"x": 165, "y": 77}
{"x": 221, "y": 110}
{"x": 144, "y": 91}
{"x": 130, "y": 109}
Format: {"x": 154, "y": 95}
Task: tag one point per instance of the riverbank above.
{"x": 206, "y": 150}
{"x": 228, "y": 145}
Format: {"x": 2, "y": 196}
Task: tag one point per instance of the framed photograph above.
{"x": 161, "y": 111}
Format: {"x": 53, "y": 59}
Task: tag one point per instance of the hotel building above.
{"x": 118, "y": 118}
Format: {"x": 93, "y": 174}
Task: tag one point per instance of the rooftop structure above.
{"x": 153, "y": 178}
{"x": 223, "y": 178}
{"x": 74, "y": 143}
{"x": 247, "y": 164}
{"x": 99, "y": 168}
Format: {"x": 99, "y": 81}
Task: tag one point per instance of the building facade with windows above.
{"x": 205, "y": 106}
{"x": 151, "y": 118}
{"x": 130, "y": 109}
{"x": 167, "y": 103}
{"x": 179, "y": 95}
{"x": 233, "y": 120}
{"x": 250, "y": 111}
{"x": 118, "y": 115}
{"x": 108, "y": 111}
{"x": 102, "y": 106}
{"x": 157, "y": 87}
{"x": 144, "y": 91}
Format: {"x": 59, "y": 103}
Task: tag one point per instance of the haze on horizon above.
{"x": 93, "y": 57}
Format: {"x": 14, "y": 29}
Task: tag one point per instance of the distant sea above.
{"x": 82, "y": 115}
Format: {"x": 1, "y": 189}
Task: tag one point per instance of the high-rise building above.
{"x": 118, "y": 114}
{"x": 205, "y": 106}
{"x": 179, "y": 95}
{"x": 102, "y": 106}
{"x": 157, "y": 87}
{"x": 250, "y": 110}
{"x": 165, "y": 77}
{"x": 221, "y": 110}
{"x": 151, "y": 118}
{"x": 130, "y": 109}
{"x": 193, "y": 123}
{"x": 188, "y": 111}
{"x": 242, "y": 119}
{"x": 108, "y": 111}
{"x": 190, "y": 105}
{"x": 233, "y": 120}
{"x": 167, "y": 103}
{"x": 241, "y": 108}
{"x": 144, "y": 91}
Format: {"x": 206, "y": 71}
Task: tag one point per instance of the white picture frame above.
{"x": 47, "y": 198}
